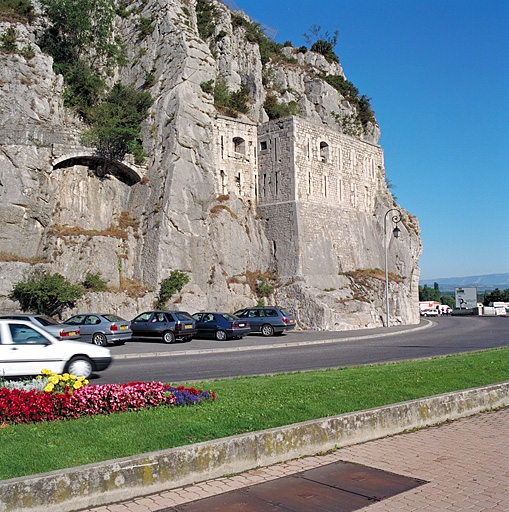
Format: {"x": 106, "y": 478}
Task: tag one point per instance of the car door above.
{"x": 79, "y": 321}
{"x": 90, "y": 326}
{"x": 208, "y": 325}
{"x": 139, "y": 325}
{"x": 199, "y": 324}
{"x": 157, "y": 324}
{"x": 26, "y": 351}
{"x": 255, "y": 318}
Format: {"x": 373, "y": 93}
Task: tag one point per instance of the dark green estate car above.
{"x": 268, "y": 320}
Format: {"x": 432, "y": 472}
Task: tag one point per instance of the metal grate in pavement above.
{"x": 336, "y": 487}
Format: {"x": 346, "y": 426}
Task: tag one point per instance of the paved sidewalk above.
{"x": 465, "y": 464}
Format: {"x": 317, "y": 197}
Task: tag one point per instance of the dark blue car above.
{"x": 220, "y": 326}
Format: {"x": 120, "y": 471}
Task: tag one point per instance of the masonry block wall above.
{"x": 315, "y": 188}
{"x": 235, "y": 157}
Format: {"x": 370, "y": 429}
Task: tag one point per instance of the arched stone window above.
{"x": 239, "y": 146}
{"x": 324, "y": 151}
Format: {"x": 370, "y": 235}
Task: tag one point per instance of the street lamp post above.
{"x": 396, "y": 217}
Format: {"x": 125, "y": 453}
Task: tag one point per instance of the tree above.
{"x": 117, "y": 122}
{"x": 322, "y": 43}
{"x": 47, "y": 294}
{"x": 77, "y": 27}
{"x": 318, "y": 35}
{"x": 448, "y": 300}
{"x": 428, "y": 294}
{"x": 496, "y": 295}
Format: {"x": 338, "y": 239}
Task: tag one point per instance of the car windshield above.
{"x": 113, "y": 318}
{"x": 230, "y": 318}
{"x": 46, "y": 320}
{"x": 285, "y": 313}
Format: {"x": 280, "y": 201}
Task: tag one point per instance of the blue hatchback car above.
{"x": 221, "y": 326}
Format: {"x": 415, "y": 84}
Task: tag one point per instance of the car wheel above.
{"x": 220, "y": 335}
{"x": 168, "y": 337}
{"x": 267, "y": 330}
{"x": 81, "y": 366}
{"x": 98, "y": 338}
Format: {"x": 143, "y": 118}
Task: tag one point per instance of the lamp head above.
{"x": 396, "y": 232}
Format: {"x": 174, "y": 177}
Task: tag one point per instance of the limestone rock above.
{"x": 194, "y": 205}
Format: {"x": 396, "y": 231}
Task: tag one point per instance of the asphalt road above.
{"x": 301, "y": 350}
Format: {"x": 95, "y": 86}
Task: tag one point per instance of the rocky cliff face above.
{"x": 81, "y": 216}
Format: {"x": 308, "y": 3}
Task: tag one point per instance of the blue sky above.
{"x": 437, "y": 73}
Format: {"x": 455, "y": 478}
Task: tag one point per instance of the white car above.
{"x": 429, "y": 312}
{"x": 26, "y": 349}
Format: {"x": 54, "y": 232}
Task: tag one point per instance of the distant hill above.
{"x": 487, "y": 282}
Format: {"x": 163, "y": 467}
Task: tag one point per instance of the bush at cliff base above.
{"x": 59, "y": 397}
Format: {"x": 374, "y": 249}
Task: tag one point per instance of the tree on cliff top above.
{"x": 322, "y": 43}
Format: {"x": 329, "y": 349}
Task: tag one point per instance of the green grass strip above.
{"x": 243, "y": 405}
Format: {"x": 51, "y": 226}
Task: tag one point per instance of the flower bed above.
{"x": 67, "y": 397}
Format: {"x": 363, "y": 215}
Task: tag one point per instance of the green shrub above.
{"x": 22, "y": 10}
{"x": 150, "y": 78}
{"x": 264, "y": 289}
{"x": 83, "y": 89}
{"x": 8, "y": 40}
{"x": 221, "y": 34}
{"x": 205, "y": 17}
{"x": 324, "y": 43}
{"x": 326, "y": 49}
{"x": 208, "y": 87}
{"x": 169, "y": 286}
{"x": 364, "y": 112}
{"x": 28, "y": 51}
{"x": 47, "y": 294}
{"x": 230, "y": 103}
{"x": 145, "y": 27}
{"x": 95, "y": 283}
{"x": 276, "y": 110}
{"x": 123, "y": 10}
{"x": 254, "y": 34}
{"x": 116, "y": 122}
{"x": 78, "y": 30}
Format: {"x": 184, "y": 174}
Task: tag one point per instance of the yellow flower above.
{"x": 77, "y": 385}
{"x": 45, "y": 371}
{"x": 54, "y": 379}
{"x": 65, "y": 377}
{"x": 48, "y": 388}
{"x": 72, "y": 376}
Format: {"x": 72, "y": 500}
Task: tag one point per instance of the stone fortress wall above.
{"x": 235, "y": 157}
{"x": 310, "y": 184}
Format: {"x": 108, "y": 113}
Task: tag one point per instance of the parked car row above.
{"x": 29, "y": 343}
{"x": 103, "y": 328}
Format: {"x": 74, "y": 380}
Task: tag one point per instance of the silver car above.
{"x": 102, "y": 328}
{"x": 56, "y": 329}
